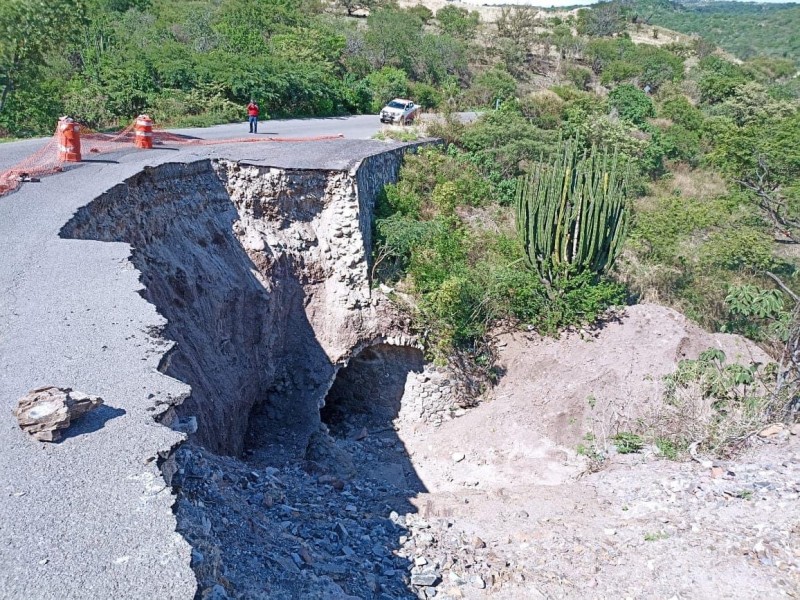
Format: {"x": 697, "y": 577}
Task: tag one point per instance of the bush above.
{"x": 386, "y": 84}
{"x": 580, "y": 77}
{"x": 631, "y": 103}
{"x": 682, "y": 112}
{"x": 425, "y": 95}
{"x": 545, "y": 109}
{"x": 680, "y": 143}
{"x": 492, "y": 85}
{"x": 458, "y": 22}
{"x": 466, "y": 273}
{"x": 718, "y": 79}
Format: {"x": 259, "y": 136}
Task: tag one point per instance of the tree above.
{"x": 386, "y": 84}
{"x": 604, "y": 19}
{"x": 764, "y": 158}
{"x": 393, "y": 38}
{"x": 458, "y": 22}
{"x": 518, "y": 23}
{"x": 29, "y": 29}
{"x": 492, "y": 85}
{"x": 719, "y": 79}
{"x": 631, "y": 103}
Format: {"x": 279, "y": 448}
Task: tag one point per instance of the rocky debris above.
{"x": 434, "y": 396}
{"x": 44, "y": 412}
{"x": 296, "y": 531}
{"x": 303, "y": 531}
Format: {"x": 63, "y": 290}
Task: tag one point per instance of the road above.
{"x": 361, "y": 127}
{"x": 90, "y": 517}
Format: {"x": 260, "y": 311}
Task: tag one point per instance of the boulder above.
{"x": 45, "y": 412}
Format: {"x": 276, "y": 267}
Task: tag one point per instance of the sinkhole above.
{"x": 263, "y": 296}
{"x": 368, "y": 392}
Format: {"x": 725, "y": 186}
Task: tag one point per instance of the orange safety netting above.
{"x": 46, "y": 161}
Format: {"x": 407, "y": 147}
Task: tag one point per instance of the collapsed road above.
{"x": 88, "y": 258}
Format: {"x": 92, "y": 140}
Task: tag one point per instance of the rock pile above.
{"x": 295, "y": 532}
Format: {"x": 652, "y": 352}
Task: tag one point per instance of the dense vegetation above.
{"x": 712, "y": 184}
{"x": 746, "y": 29}
{"x": 199, "y": 61}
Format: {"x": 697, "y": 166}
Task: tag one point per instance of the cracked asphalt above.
{"x": 90, "y": 517}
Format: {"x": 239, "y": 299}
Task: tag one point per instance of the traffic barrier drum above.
{"x": 69, "y": 140}
{"x": 143, "y": 132}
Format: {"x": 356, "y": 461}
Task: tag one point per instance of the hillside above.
{"x": 746, "y": 29}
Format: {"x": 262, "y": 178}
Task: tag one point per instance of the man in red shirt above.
{"x": 252, "y": 116}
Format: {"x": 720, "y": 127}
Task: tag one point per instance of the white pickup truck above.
{"x": 399, "y": 111}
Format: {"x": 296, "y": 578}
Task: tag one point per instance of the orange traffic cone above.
{"x": 69, "y": 140}
{"x": 144, "y": 132}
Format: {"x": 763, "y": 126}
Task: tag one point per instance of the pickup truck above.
{"x": 399, "y": 111}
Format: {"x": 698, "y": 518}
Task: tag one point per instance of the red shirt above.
{"x": 252, "y": 109}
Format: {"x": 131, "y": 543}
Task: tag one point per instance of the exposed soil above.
{"x": 495, "y": 502}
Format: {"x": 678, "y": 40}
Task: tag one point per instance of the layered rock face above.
{"x": 263, "y": 277}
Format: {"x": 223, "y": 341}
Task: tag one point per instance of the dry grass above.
{"x": 700, "y": 184}
{"x": 720, "y": 427}
{"x": 644, "y": 35}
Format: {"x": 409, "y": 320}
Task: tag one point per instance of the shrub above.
{"x": 580, "y": 77}
{"x": 682, "y": 112}
{"x": 680, "y": 143}
{"x": 385, "y": 84}
{"x": 425, "y": 95}
{"x": 545, "y": 109}
{"x": 631, "y": 103}
{"x": 492, "y": 85}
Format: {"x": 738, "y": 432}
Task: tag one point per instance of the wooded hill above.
{"x": 745, "y": 29}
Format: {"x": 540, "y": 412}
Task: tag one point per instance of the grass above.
{"x": 628, "y": 443}
{"x": 405, "y": 134}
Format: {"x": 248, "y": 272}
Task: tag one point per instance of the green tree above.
{"x": 458, "y": 22}
{"x": 602, "y": 19}
{"x": 393, "y": 38}
{"x": 631, "y": 103}
{"x": 29, "y": 30}
{"x": 386, "y": 84}
{"x": 764, "y": 158}
{"x": 492, "y": 85}
{"x": 718, "y": 79}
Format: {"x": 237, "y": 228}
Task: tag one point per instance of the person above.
{"x": 252, "y": 116}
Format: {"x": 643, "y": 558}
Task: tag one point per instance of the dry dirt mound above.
{"x": 606, "y": 378}
{"x": 495, "y": 502}
{"x": 512, "y": 513}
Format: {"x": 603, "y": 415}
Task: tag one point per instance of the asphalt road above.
{"x": 90, "y": 517}
{"x": 361, "y": 127}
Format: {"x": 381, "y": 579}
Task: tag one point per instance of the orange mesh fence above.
{"x": 46, "y": 161}
{"x": 42, "y": 162}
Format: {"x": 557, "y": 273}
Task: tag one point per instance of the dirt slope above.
{"x": 507, "y": 472}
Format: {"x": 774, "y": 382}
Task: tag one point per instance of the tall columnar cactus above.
{"x": 573, "y": 212}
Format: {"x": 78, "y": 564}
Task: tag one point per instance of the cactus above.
{"x": 572, "y": 214}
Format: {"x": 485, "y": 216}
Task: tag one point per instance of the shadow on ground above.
{"x": 93, "y": 421}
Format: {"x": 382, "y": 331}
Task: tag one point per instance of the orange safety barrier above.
{"x": 69, "y": 140}
{"x": 144, "y": 132}
{"x": 65, "y": 146}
